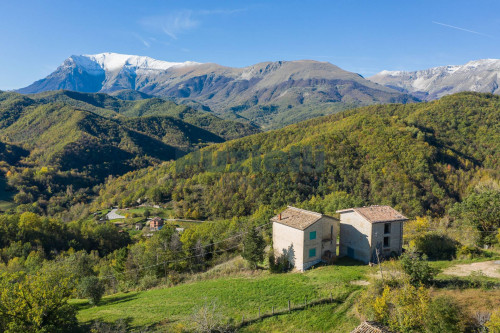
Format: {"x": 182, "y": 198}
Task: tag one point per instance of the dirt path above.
{"x": 488, "y": 268}
{"x": 112, "y": 215}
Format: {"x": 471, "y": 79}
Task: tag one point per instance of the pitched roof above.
{"x": 370, "y": 327}
{"x": 375, "y": 214}
{"x": 297, "y": 218}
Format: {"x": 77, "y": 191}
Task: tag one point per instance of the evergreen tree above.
{"x": 253, "y": 247}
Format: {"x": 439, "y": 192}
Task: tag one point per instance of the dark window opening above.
{"x": 387, "y": 228}
{"x": 387, "y": 242}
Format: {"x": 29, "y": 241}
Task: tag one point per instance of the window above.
{"x": 387, "y": 228}
{"x": 387, "y": 242}
{"x": 312, "y": 235}
{"x": 312, "y": 253}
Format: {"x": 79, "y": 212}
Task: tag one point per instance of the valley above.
{"x": 143, "y": 213}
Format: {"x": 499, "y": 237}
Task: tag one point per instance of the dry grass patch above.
{"x": 473, "y": 300}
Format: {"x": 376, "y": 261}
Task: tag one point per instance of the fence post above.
{"x": 242, "y": 319}
{"x": 289, "y": 307}
{"x": 273, "y": 310}
{"x": 305, "y": 301}
{"x": 331, "y": 298}
{"x": 259, "y": 311}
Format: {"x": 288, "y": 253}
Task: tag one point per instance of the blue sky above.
{"x": 364, "y": 36}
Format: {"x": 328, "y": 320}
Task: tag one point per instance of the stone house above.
{"x": 156, "y": 223}
{"x": 305, "y": 237}
{"x": 366, "y": 232}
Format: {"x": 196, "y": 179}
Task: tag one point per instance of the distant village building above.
{"x": 368, "y": 232}
{"x": 138, "y": 226}
{"x": 156, "y": 223}
{"x": 305, "y": 237}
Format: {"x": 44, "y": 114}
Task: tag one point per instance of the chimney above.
{"x": 279, "y": 217}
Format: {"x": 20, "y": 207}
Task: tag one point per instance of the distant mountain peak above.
{"x": 481, "y": 75}
{"x": 261, "y": 93}
{"x": 109, "y": 61}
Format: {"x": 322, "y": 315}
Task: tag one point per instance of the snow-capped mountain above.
{"x": 103, "y": 72}
{"x": 433, "y": 83}
{"x": 300, "y": 89}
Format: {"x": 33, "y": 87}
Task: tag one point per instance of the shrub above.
{"x": 279, "y": 264}
{"x": 148, "y": 282}
{"x": 91, "y": 288}
{"x": 436, "y": 246}
{"x": 469, "y": 252}
{"x": 418, "y": 269}
{"x": 494, "y": 323}
{"x": 444, "y": 315}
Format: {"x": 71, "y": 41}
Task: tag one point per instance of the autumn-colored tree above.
{"x": 36, "y": 303}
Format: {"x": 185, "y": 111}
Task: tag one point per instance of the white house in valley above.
{"x": 308, "y": 238}
{"x": 305, "y": 237}
{"x": 368, "y": 232}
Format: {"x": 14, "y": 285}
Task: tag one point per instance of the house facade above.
{"x": 156, "y": 223}
{"x": 305, "y": 237}
{"x": 369, "y": 233}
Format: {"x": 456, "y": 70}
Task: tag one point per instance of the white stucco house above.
{"x": 364, "y": 231}
{"x": 305, "y": 237}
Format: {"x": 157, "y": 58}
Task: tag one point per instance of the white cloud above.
{"x": 144, "y": 41}
{"x": 179, "y": 22}
{"x": 171, "y": 24}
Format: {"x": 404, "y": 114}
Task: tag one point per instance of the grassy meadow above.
{"x": 240, "y": 296}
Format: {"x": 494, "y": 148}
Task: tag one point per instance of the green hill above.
{"x": 62, "y": 140}
{"x": 113, "y": 107}
{"x": 238, "y": 297}
{"x": 418, "y": 158}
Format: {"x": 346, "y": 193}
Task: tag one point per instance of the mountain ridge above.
{"x": 270, "y": 94}
{"x": 481, "y": 75}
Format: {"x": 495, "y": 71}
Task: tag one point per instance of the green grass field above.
{"x": 240, "y": 296}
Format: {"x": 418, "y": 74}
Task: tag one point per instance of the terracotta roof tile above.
{"x": 376, "y": 214}
{"x": 297, "y": 218}
{"x": 370, "y": 327}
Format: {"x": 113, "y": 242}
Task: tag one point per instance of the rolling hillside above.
{"x": 418, "y": 158}
{"x": 60, "y": 140}
{"x": 112, "y": 107}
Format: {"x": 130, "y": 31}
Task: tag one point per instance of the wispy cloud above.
{"x": 176, "y": 23}
{"x": 461, "y": 29}
{"x": 171, "y": 24}
{"x": 146, "y": 42}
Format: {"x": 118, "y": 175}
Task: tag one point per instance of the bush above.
{"x": 148, "y": 282}
{"x": 91, "y": 288}
{"x": 279, "y": 264}
{"x": 469, "y": 252}
{"x": 436, "y": 246}
{"x": 418, "y": 269}
{"x": 443, "y": 315}
{"x": 494, "y": 323}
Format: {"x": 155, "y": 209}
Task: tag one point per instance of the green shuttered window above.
{"x": 312, "y": 253}
{"x": 312, "y": 235}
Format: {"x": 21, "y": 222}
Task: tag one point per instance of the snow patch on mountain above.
{"x": 477, "y": 75}
{"x": 111, "y": 62}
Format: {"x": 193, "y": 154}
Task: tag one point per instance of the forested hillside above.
{"x": 418, "y": 158}
{"x": 109, "y": 106}
{"x": 55, "y": 147}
